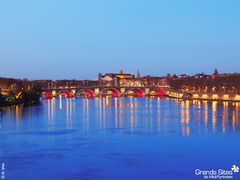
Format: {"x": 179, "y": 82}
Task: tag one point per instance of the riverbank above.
{"x": 232, "y": 97}
{"x": 23, "y": 97}
{"x": 18, "y": 103}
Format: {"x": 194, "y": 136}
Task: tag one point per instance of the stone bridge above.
{"x": 104, "y": 91}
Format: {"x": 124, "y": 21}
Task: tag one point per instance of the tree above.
{"x": 2, "y": 99}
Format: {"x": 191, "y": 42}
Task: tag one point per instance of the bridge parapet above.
{"x": 109, "y": 90}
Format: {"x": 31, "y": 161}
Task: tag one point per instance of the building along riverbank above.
{"x": 205, "y": 96}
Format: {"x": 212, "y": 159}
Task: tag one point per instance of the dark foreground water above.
{"x": 120, "y": 138}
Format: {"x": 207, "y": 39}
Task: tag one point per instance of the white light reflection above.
{"x": 51, "y": 114}
{"x": 99, "y": 105}
{"x": 187, "y": 112}
{"x": 69, "y": 113}
{"x": 224, "y": 116}
{"x": 121, "y": 112}
{"x": 235, "y": 116}
{"x": 60, "y": 103}
{"x": 86, "y": 113}
{"x": 49, "y": 109}
{"x": 136, "y": 105}
{"x": 182, "y": 112}
{"x": 131, "y": 113}
{"x": 185, "y": 118}
{"x": 205, "y": 106}
{"x": 104, "y": 102}
{"x": 159, "y": 113}
{"x": 214, "y": 115}
{"x": 116, "y": 112}
{"x": 146, "y": 105}
{"x": 150, "y": 112}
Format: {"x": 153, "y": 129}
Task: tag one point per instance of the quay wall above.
{"x": 205, "y": 96}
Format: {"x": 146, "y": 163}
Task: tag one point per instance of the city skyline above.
{"x": 136, "y": 75}
{"x": 78, "y": 39}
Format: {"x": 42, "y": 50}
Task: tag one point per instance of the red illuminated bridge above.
{"x": 104, "y": 91}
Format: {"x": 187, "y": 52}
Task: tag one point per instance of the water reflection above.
{"x": 146, "y": 114}
{"x": 235, "y": 116}
{"x": 51, "y": 113}
{"x": 118, "y": 135}
{"x": 219, "y": 114}
{"x": 158, "y": 113}
{"x": 85, "y": 111}
{"x": 214, "y": 115}
{"x": 205, "y": 106}
{"x": 18, "y": 112}
{"x": 69, "y": 113}
{"x": 224, "y": 116}
{"x": 185, "y": 118}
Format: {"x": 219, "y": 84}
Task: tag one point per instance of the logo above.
{"x": 235, "y": 168}
{"x": 217, "y": 174}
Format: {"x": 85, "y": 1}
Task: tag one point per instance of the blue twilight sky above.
{"x": 77, "y": 39}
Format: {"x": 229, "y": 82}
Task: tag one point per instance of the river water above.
{"x": 120, "y": 138}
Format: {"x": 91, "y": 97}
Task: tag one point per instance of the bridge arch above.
{"x": 47, "y": 95}
{"x": 138, "y": 91}
{"x": 66, "y": 93}
{"x": 86, "y": 92}
{"x": 187, "y": 95}
{"x": 114, "y": 91}
{"x": 158, "y": 92}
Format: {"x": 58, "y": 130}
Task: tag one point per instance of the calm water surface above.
{"x": 119, "y": 138}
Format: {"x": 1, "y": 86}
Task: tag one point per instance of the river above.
{"x": 120, "y": 138}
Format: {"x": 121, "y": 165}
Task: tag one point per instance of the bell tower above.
{"x": 138, "y": 74}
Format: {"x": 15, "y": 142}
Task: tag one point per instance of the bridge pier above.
{"x": 54, "y": 93}
{"x": 73, "y": 92}
{"x": 122, "y": 92}
{"x": 146, "y": 91}
{"x": 96, "y": 91}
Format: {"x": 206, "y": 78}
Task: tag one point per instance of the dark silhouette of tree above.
{"x": 2, "y": 99}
